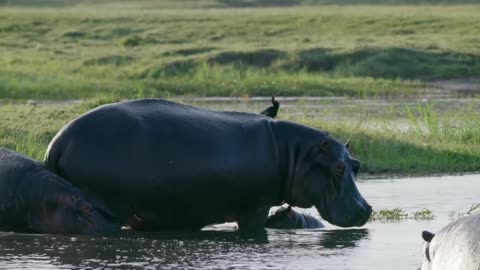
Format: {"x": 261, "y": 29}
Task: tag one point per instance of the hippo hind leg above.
{"x": 253, "y": 220}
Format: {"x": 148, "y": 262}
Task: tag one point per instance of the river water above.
{"x": 378, "y": 245}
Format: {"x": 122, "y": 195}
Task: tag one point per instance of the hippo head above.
{"x": 427, "y": 258}
{"x": 324, "y": 176}
{"x": 59, "y": 207}
{"x": 284, "y": 218}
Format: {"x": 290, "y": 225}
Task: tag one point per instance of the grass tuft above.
{"x": 397, "y": 214}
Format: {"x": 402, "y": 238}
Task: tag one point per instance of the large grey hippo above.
{"x": 174, "y": 166}
{"x": 456, "y": 246}
{"x": 287, "y": 218}
{"x": 34, "y": 199}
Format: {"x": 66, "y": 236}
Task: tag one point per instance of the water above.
{"x": 378, "y": 245}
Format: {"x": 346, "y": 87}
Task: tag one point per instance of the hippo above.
{"x": 34, "y": 199}
{"x": 179, "y": 167}
{"x": 456, "y": 246}
{"x": 287, "y": 218}
{"x": 272, "y": 111}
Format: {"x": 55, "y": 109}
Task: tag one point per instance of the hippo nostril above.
{"x": 364, "y": 215}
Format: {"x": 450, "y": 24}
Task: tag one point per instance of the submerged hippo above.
{"x": 456, "y": 246}
{"x": 272, "y": 111}
{"x": 287, "y": 218}
{"x": 176, "y": 166}
{"x": 34, "y": 199}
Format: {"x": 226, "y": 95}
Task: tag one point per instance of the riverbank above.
{"x": 400, "y": 81}
{"x": 390, "y": 137}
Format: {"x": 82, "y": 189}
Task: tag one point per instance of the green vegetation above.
{"x": 103, "y": 51}
{"x": 217, "y": 3}
{"x": 474, "y": 209}
{"x": 423, "y": 214}
{"x": 397, "y": 214}
{"x": 135, "y": 48}
{"x": 420, "y": 139}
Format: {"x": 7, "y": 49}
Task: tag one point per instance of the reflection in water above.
{"x": 392, "y": 245}
{"x": 207, "y": 249}
{"x": 339, "y": 239}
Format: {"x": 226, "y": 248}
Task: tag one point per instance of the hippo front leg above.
{"x": 253, "y": 220}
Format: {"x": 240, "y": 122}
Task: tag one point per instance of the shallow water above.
{"x": 378, "y": 245}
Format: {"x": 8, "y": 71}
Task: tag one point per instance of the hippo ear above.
{"x": 427, "y": 236}
{"x": 347, "y": 144}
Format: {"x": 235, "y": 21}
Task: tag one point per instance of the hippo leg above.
{"x": 116, "y": 208}
{"x": 287, "y": 218}
{"x": 253, "y": 220}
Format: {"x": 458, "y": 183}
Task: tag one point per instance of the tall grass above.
{"x": 216, "y": 3}
{"x": 387, "y": 148}
{"x": 422, "y": 140}
{"x": 59, "y": 53}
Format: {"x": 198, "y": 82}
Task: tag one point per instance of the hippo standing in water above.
{"x": 456, "y": 246}
{"x": 178, "y": 167}
{"x": 33, "y": 199}
{"x": 287, "y": 218}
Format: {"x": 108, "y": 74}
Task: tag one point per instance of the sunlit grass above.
{"x": 386, "y": 148}
{"x": 79, "y": 52}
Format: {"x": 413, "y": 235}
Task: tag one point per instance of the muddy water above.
{"x": 379, "y": 245}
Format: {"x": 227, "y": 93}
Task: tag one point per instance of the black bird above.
{"x": 272, "y": 111}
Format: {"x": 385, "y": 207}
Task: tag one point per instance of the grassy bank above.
{"x": 108, "y": 50}
{"x": 143, "y": 50}
{"x": 434, "y": 140}
{"x": 218, "y": 3}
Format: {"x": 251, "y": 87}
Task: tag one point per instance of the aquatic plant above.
{"x": 397, "y": 214}
{"x": 423, "y": 214}
{"x": 389, "y": 214}
{"x": 474, "y": 208}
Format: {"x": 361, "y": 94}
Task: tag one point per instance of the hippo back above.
{"x": 158, "y": 139}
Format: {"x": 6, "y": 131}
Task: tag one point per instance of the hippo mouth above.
{"x": 349, "y": 219}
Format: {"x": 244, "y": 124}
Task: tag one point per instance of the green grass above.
{"x": 216, "y": 3}
{"x": 109, "y": 50}
{"x": 397, "y": 214}
{"x": 436, "y": 140}
{"x": 421, "y": 139}
{"x": 130, "y": 49}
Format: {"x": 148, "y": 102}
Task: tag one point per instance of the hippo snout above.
{"x": 365, "y": 215}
